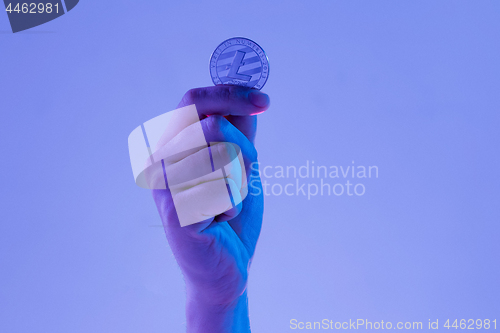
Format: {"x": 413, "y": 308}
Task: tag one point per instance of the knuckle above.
{"x": 194, "y": 95}
{"x": 214, "y": 124}
{"x": 227, "y": 93}
{"x": 226, "y": 151}
{"x": 223, "y": 150}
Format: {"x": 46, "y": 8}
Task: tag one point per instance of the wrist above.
{"x": 206, "y": 316}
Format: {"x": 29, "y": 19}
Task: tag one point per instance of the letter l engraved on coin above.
{"x": 235, "y": 66}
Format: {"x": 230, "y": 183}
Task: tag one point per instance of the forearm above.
{"x": 209, "y": 318}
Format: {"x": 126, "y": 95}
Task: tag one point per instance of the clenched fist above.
{"x": 215, "y": 253}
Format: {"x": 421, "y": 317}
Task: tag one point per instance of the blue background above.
{"x": 409, "y": 86}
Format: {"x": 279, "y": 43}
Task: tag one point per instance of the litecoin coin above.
{"x": 239, "y": 61}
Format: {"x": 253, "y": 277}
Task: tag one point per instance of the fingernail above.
{"x": 258, "y": 99}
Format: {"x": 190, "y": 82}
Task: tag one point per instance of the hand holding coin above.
{"x": 215, "y": 257}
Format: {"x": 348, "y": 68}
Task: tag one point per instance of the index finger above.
{"x": 225, "y": 100}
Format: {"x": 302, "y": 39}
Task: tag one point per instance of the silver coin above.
{"x": 239, "y": 61}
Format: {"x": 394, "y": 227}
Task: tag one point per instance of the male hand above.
{"x": 215, "y": 254}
